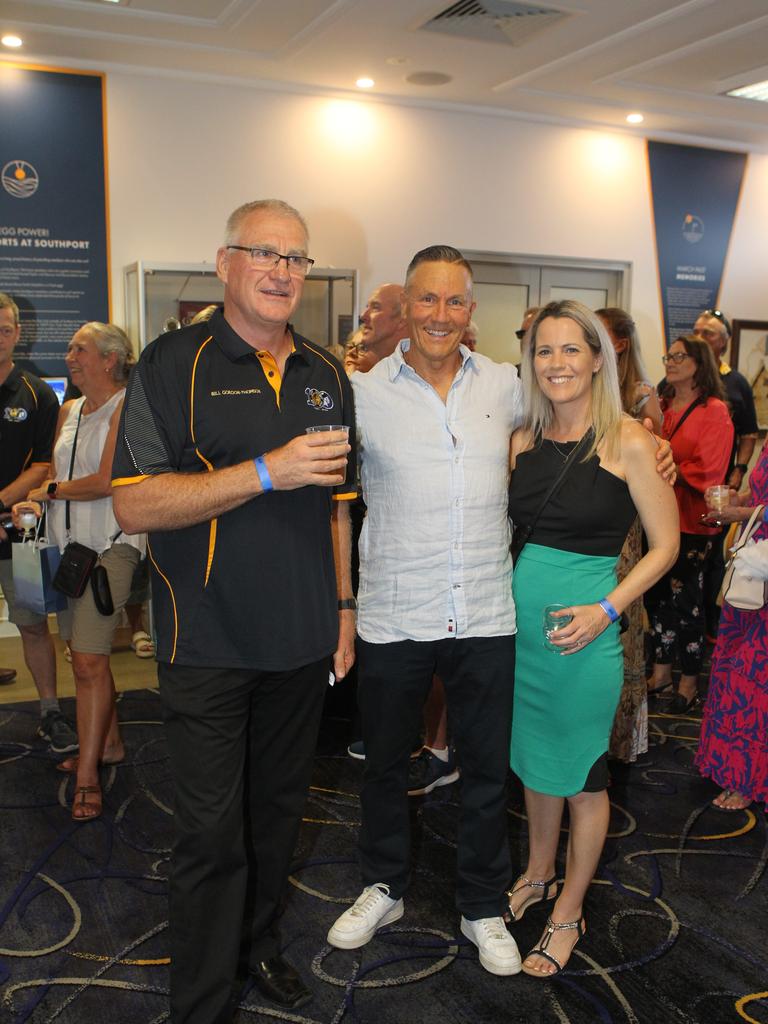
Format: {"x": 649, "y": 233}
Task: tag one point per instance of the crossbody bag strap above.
{"x": 72, "y": 466}
{"x": 697, "y": 401}
{"x": 753, "y": 524}
{"x": 558, "y": 480}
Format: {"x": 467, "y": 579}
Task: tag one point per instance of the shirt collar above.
{"x": 13, "y": 379}
{"x": 397, "y": 363}
{"x": 235, "y": 348}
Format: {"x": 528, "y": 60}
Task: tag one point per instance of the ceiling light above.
{"x": 12, "y": 41}
{"x": 635, "y": 118}
{"x": 365, "y": 83}
{"x": 756, "y": 91}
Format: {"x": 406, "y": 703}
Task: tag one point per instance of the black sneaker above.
{"x": 58, "y": 732}
{"x": 426, "y": 772}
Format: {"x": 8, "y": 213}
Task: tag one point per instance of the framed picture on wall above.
{"x": 749, "y": 355}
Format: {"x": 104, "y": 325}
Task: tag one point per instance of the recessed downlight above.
{"x": 635, "y": 118}
{"x": 365, "y": 83}
{"x": 13, "y": 41}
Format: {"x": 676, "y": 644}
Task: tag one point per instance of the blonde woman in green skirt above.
{"x": 569, "y": 665}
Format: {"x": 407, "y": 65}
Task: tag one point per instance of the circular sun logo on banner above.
{"x": 20, "y": 179}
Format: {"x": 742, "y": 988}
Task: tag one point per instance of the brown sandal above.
{"x": 90, "y": 808}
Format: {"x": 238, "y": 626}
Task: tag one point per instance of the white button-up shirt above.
{"x": 434, "y": 550}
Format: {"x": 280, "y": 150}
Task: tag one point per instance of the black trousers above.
{"x": 241, "y": 747}
{"x": 394, "y": 679}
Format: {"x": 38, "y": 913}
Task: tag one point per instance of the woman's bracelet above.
{"x": 609, "y": 610}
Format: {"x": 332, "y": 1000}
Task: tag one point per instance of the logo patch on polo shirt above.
{"x": 319, "y": 400}
{"x": 14, "y": 415}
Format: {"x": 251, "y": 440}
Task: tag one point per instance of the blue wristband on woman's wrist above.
{"x": 609, "y": 610}
{"x": 264, "y": 477}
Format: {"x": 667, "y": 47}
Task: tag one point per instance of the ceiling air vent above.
{"x": 496, "y": 21}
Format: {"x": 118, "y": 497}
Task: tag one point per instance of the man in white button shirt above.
{"x": 435, "y": 597}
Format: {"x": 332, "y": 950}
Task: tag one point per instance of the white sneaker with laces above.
{"x": 498, "y": 950}
{"x": 372, "y": 909}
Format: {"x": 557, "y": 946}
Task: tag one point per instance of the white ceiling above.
{"x": 588, "y": 62}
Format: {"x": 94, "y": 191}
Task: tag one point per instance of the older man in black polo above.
{"x": 214, "y": 461}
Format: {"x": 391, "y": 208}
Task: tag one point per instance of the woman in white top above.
{"x": 99, "y": 359}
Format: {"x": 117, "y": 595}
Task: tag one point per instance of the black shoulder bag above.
{"x": 522, "y": 533}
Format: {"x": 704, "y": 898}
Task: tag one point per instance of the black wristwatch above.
{"x": 742, "y": 467}
{"x": 51, "y": 489}
{"x": 347, "y": 604}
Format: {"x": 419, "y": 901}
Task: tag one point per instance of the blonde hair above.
{"x": 606, "y": 409}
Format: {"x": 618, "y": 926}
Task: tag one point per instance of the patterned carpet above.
{"x": 676, "y": 917}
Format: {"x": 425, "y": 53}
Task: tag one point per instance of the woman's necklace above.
{"x": 563, "y": 455}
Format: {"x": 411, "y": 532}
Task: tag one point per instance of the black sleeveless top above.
{"x": 589, "y": 514}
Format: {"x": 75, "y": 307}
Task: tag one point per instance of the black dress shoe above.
{"x": 278, "y": 981}
{"x": 7, "y": 675}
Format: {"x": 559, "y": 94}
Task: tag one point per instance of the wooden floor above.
{"x": 130, "y": 672}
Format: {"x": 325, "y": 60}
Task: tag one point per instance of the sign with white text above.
{"x": 53, "y": 219}
{"x": 694, "y": 193}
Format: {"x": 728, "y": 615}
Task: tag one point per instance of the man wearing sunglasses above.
{"x": 214, "y": 461}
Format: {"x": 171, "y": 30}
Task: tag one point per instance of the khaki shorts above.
{"x": 16, "y": 614}
{"x": 84, "y": 628}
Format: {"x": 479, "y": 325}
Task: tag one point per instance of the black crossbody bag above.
{"x": 80, "y": 563}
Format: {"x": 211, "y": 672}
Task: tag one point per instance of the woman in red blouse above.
{"x": 699, "y": 428}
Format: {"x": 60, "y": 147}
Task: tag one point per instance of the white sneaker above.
{"x": 498, "y": 950}
{"x": 372, "y": 909}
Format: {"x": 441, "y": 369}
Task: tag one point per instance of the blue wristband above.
{"x": 765, "y": 514}
{"x": 261, "y": 469}
{"x": 609, "y": 610}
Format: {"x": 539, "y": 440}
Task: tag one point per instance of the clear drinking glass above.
{"x": 718, "y": 498}
{"x": 552, "y": 623}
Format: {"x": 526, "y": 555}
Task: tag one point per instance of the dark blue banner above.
{"x": 695, "y": 193}
{"x": 53, "y": 226}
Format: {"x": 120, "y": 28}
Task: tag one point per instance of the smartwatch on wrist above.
{"x": 347, "y": 604}
{"x": 52, "y": 488}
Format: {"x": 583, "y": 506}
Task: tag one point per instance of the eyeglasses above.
{"x": 266, "y": 259}
{"x": 676, "y": 357}
{"x": 7, "y": 332}
{"x": 719, "y": 315}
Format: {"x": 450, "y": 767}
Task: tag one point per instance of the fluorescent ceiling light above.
{"x": 12, "y": 41}
{"x": 365, "y": 83}
{"x": 756, "y": 91}
{"x": 635, "y": 118}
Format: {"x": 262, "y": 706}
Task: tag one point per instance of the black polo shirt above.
{"x": 28, "y": 413}
{"x": 256, "y": 587}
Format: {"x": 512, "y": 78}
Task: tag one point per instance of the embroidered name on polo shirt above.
{"x": 320, "y": 400}
{"x": 14, "y": 414}
{"x": 235, "y": 391}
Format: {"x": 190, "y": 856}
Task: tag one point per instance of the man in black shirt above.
{"x": 28, "y": 413}
{"x": 214, "y": 461}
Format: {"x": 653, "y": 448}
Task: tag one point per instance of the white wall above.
{"x": 376, "y": 182}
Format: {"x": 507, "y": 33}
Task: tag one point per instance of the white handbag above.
{"x": 740, "y": 588}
